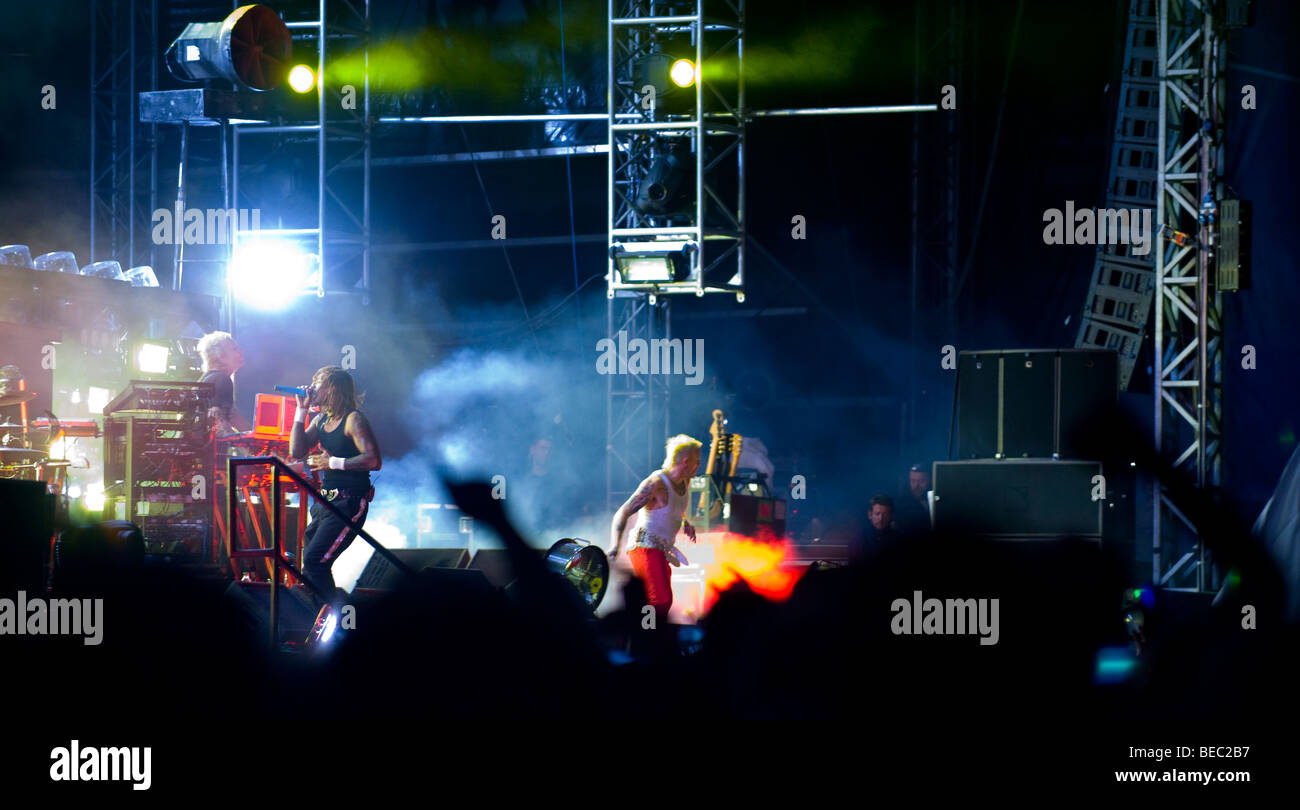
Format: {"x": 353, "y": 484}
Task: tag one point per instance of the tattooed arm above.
{"x": 650, "y": 493}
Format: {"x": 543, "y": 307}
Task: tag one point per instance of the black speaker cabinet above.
{"x": 495, "y": 565}
{"x": 382, "y": 575}
{"x": 28, "y": 508}
{"x": 1031, "y": 403}
{"x": 296, "y": 608}
{"x": 1017, "y": 498}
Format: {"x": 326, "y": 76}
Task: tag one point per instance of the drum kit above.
{"x": 25, "y": 446}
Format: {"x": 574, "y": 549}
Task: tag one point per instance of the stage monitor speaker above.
{"x": 381, "y": 575}
{"x": 297, "y": 609}
{"x": 1017, "y": 498}
{"x": 495, "y": 565}
{"x": 1031, "y": 403}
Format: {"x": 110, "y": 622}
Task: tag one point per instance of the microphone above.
{"x": 287, "y": 389}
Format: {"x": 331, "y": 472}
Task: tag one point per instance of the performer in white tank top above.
{"x": 657, "y": 528}
{"x": 660, "y": 504}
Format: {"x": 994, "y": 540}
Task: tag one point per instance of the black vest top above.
{"x": 337, "y": 443}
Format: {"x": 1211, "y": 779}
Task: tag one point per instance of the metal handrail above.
{"x": 276, "y": 552}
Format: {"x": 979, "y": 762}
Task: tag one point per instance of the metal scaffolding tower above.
{"x": 339, "y": 230}
{"x": 124, "y": 59}
{"x": 1191, "y": 66}
{"x": 636, "y": 404}
{"x": 936, "y": 228}
{"x": 697, "y": 132}
{"x": 126, "y": 52}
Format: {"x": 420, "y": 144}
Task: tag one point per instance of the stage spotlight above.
{"x": 94, "y": 499}
{"x": 151, "y": 358}
{"x": 654, "y": 262}
{"x": 249, "y": 47}
{"x": 668, "y": 75}
{"x": 322, "y": 631}
{"x": 142, "y": 276}
{"x": 682, "y": 73}
{"x": 268, "y": 273}
{"x": 663, "y": 190}
{"x": 16, "y": 256}
{"x": 111, "y": 270}
{"x": 301, "y": 79}
{"x": 654, "y": 69}
{"x": 59, "y": 261}
{"x": 97, "y": 398}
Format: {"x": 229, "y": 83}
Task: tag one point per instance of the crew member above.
{"x": 660, "y": 506}
{"x": 913, "y": 513}
{"x": 348, "y": 454}
{"x": 880, "y": 533}
{"x": 222, "y": 357}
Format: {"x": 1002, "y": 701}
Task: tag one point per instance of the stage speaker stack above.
{"x": 1022, "y": 468}
{"x": 1017, "y": 499}
{"x": 1031, "y": 403}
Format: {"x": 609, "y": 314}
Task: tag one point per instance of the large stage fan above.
{"x": 251, "y": 48}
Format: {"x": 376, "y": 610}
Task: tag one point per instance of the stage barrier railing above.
{"x": 275, "y": 552}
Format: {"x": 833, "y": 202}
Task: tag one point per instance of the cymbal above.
{"x": 16, "y": 398}
{"x": 4, "y": 425}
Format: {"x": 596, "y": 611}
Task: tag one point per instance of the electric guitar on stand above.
{"x": 714, "y": 487}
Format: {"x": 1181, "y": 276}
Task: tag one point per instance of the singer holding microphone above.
{"x": 348, "y": 453}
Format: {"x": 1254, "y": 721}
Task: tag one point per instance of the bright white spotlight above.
{"x": 151, "y": 358}
{"x": 301, "y": 78}
{"x": 331, "y": 624}
{"x": 682, "y": 73}
{"x": 268, "y": 273}
{"x": 97, "y": 398}
{"x": 94, "y": 498}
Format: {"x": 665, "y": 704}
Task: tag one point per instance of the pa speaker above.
{"x": 1038, "y": 403}
{"x": 380, "y": 574}
{"x": 1017, "y": 498}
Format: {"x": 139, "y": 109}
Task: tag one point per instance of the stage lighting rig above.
{"x": 667, "y": 75}
{"x": 665, "y": 188}
{"x": 16, "y": 256}
{"x": 250, "y": 47}
{"x": 661, "y": 261}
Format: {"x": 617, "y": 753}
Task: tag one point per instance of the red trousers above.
{"x": 651, "y": 566}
